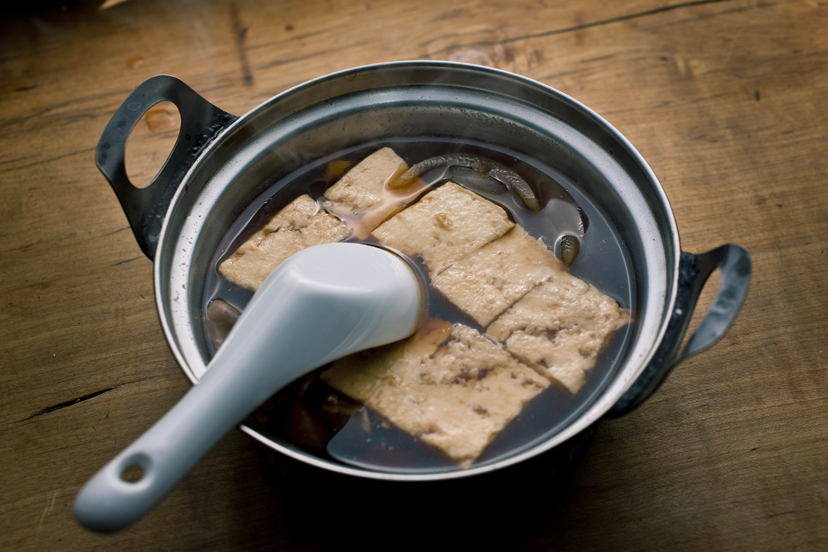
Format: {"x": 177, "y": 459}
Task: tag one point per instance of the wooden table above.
{"x": 726, "y": 99}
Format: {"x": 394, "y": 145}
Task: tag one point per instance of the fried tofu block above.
{"x": 363, "y": 199}
{"x": 301, "y": 224}
{"x": 362, "y": 187}
{"x": 459, "y": 398}
{"x": 456, "y": 395}
{"x": 360, "y": 374}
{"x": 559, "y": 327}
{"x": 444, "y": 226}
{"x": 489, "y": 281}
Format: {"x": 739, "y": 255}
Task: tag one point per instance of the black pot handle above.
{"x": 694, "y": 270}
{"x": 201, "y": 123}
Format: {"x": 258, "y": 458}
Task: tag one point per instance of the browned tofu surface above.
{"x": 301, "y": 224}
{"x": 444, "y": 226}
{"x": 455, "y": 392}
{"x": 361, "y": 188}
{"x": 488, "y": 281}
{"x": 363, "y": 198}
{"x": 559, "y": 327}
{"x": 360, "y": 374}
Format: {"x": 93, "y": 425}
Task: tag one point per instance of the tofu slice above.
{"x": 559, "y": 327}
{"x": 444, "y": 226}
{"x": 359, "y": 375}
{"x": 301, "y": 224}
{"x": 456, "y": 395}
{"x": 362, "y": 187}
{"x": 490, "y": 280}
{"x": 362, "y": 198}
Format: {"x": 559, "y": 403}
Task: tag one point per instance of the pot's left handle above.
{"x": 201, "y": 123}
{"x": 694, "y": 270}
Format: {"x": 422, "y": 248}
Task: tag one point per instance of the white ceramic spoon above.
{"x": 321, "y": 304}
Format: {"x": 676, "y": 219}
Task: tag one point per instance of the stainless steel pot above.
{"x": 221, "y": 163}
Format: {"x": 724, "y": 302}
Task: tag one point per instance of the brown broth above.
{"x": 308, "y": 414}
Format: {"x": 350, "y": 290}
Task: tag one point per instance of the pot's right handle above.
{"x": 201, "y": 123}
{"x": 694, "y": 270}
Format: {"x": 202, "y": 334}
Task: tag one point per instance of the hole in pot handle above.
{"x": 694, "y": 270}
{"x": 201, "y": 123}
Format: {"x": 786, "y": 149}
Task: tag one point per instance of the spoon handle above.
{"x": 323, "y": 303}
{"x": 165, "y": 453}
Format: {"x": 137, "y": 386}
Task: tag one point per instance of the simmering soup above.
{"x": 323, "y": 412}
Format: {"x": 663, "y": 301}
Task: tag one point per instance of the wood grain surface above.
{"x": 726, "y": 99}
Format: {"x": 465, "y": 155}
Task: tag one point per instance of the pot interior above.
{"x": 400, "y": 103}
